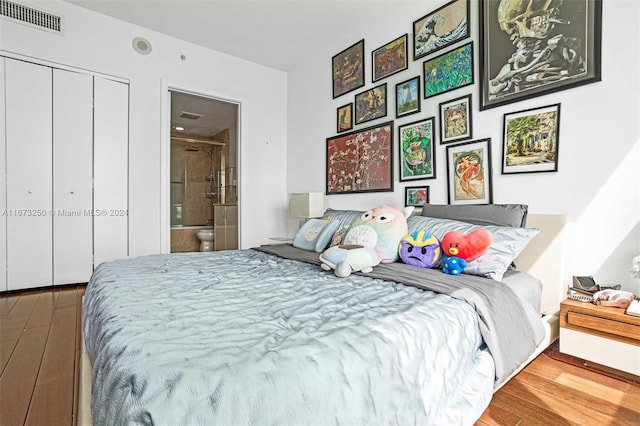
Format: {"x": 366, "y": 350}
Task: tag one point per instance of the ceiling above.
{"x": 275, "y": 33}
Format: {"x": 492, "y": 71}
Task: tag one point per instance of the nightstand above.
{"x": 280, "y": 240}
{"x": 600, "y": 334}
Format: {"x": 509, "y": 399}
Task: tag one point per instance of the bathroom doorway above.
{"x": 203, "y": 173}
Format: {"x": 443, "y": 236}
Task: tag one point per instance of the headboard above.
{"x": 544, "y": 258}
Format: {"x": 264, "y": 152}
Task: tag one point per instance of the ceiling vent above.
{"x": 190, "y": 115}
{"x": 29, "y": 16}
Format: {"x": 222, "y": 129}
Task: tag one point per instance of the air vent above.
{"x": 29, "y": 16}
{"x": 190, "y": 115}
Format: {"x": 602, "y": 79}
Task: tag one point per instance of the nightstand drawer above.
{"x": 603, "y": 325}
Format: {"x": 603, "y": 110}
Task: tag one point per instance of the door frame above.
{"x": 165, "y": 156}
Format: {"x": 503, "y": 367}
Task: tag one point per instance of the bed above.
{"x": 265, "y": 336}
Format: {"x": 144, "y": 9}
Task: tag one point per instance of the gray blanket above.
{"x": 510, "y": 329}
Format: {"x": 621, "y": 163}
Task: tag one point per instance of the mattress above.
{"x": 244, "y": 337}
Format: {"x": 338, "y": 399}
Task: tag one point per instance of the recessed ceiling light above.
{"x": 179, "y": 128}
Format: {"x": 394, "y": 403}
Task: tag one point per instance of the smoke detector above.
{"x": 141, "y": 45}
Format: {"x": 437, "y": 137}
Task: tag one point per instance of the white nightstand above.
{"x": 280, "y": 240}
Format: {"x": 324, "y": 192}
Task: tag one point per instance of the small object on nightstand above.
{"x": 613, "y": 298}
{"x": 634, "y": 308}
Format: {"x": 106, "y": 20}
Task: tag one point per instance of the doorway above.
{"x": 203, "y": 173}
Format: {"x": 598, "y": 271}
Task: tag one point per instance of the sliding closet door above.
{"x": 28, "y": 166}
{"x": 72, "y": 174}
{"x": 3, "y": 194}
{"x": 111, "y": 148}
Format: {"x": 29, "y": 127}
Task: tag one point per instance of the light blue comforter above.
{"x": 244, "y": 337}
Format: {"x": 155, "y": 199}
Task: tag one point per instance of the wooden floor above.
{"x": 40, "y": 354}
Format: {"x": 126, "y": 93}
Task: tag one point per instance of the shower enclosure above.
{"x": 203, "y": 192}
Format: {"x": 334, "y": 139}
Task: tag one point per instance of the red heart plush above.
{"x": 466, "y": 246}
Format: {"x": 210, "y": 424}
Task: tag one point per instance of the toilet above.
{"x": 205, "y": 235}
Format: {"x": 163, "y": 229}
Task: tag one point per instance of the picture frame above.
{"x": 416, "y": 196}
{"x": 530, "y": 140}
{"x": 344, "y": 118}
{"x": 347, "y": 69}
{"x": 469, "y": 172}
{"x": 455, "y": 118}
{"x": 360, "y": 161}
{"x": 416, "y": 143}
{"x": 390, "y": 58}
{"x": 371, "y": 104}
{"x": 448, "y": 71}
{"x": 408, "y": 97}
{"x": 564, "y": 54}
{"x": 441, "y": 28}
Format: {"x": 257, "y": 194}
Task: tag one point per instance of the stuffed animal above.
{"x": 381, "y": 229}
{"x": 421, "y": 249}
{"x": 345, "y": 259}
{"x": 460, "y": 249}
{"x": 371, "y": 239}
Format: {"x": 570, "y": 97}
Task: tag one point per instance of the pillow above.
{"x": 487, "y": 214}
{"x": 344, "y": 219}
{"x": 315, "y": 234}
{"x": 507, "y": 243}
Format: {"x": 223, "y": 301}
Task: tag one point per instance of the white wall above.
{"x": 598, "y": 182}
{"x": 101, "y": 44}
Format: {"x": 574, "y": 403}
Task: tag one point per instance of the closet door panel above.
{"x": 72, "y": 177}
{"x": 3, "y": 194}
{"x": 111, "y": 148}
{"x": 29, "y": 193}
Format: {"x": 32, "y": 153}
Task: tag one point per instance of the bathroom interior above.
{"x": 203, "y": 174}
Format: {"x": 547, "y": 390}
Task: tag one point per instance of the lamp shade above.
{"x": 306, "y": 204}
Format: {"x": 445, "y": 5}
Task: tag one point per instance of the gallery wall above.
{"x": 597, "y": 184}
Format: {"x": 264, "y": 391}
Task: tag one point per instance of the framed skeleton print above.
{"x": 533, "y": 48}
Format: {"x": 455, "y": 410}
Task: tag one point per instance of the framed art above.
{"x": 416, "y": 196}
{"x": 371, "y": 104}
{"x": 530, "y": 140}
{"x": 417, "y": 153}
{"x": 455, "y": 120}
{"x": 441, "y": 28}
{"x": 469, "y": 172}
{"x": 408, "y": 97}
{"x": 521, "y": 58}
{"x": 361, "y": 161}
{"x": 348, "y": 69}
{"x": 389, "y": 59}
{"x": 448, "y": 71}
{"x": 345, "y": 117}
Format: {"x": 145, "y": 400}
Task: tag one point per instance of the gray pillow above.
{"x": 486, "y": 214}
{"x": 507, "y": 243}
{"x": 343, "y": 217}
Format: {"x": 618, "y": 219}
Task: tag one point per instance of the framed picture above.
{"x": 455, "y": 120}
{"x": 469, "y": 172}
{"x": 408, "y": 97}
{"x": 521, "y": 59}
{"x": 417, "y": 154}
{"x": 530, "y": 140}
{"x": 371, "y": 104}
{"x": 416, "y": 196}
{"x": 348, "y": 69}
{"x": 441, "y": 28}
{"x": 390, "y": 58}
{"x": 448, "y": 71}
{"x": 361, "y": 161}
{"x": 345, "y": 117}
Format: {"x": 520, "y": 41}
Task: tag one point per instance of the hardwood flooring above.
{"x": 40, "y": 349}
